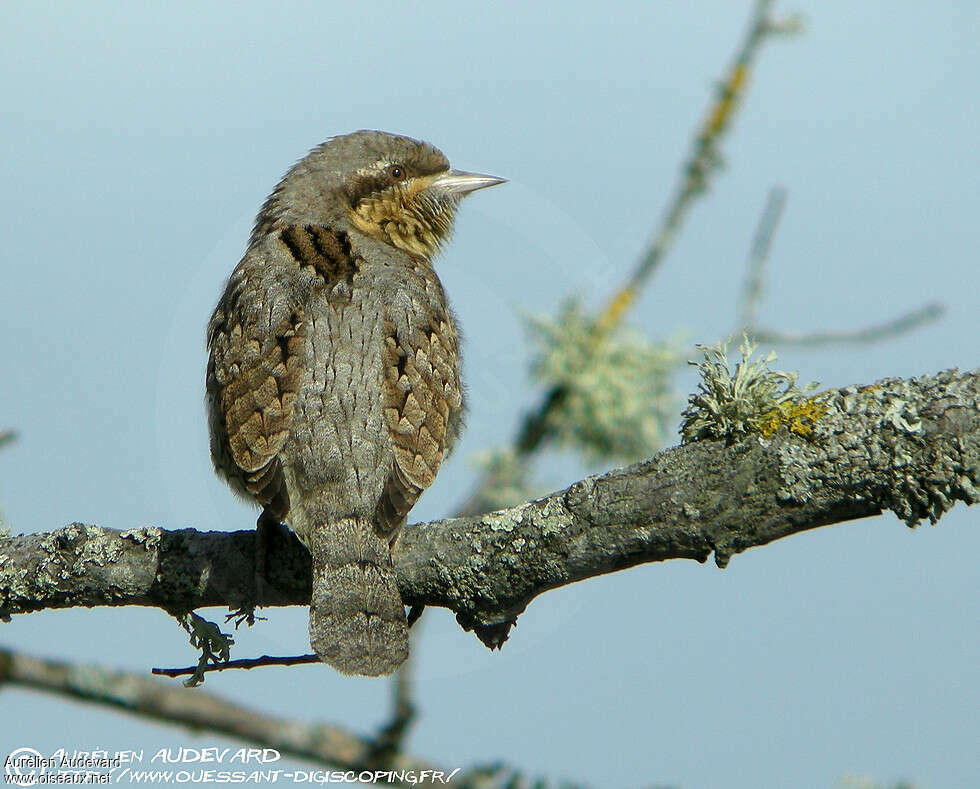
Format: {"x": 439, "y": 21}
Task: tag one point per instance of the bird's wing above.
{"x": 254, "y": 371}
{"x": 421, "y": 396}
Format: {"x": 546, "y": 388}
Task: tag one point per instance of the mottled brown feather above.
{"x": 420, "y": 387}
{"x": 254, "y": 376}
{"x": 255, "y": 373}
{"x": 328, "y": 252}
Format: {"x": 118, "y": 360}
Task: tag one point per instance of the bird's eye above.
{"x": 396, "y": 172}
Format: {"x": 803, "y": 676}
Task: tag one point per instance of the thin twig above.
{"x": 703, "y": 161}
{"x": 755, "y": 279}
{"x": 388, "y": 742}
{"x": 244, "y": 663}
{"x": 390, "y": 739}
{"x": 197, "y": 709}
{"x": 758, "y": 256}
{"x": 903, "y": 323}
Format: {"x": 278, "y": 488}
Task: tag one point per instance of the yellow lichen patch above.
{"x": 616, "y": 308}
{"x": 798, "y": 417}
{"x": 730, "y": 93}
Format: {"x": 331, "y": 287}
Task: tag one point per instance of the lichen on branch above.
{"x": 911, "y": 446}
{"x": 752, "y": 398}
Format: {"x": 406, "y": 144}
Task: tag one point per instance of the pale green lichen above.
{"x": 616, "y": 401}
{"x": 148, "y": 536}
{"x": 751, "y": 399}
{"x": 214, "y": 645}
{"x": 902, "y": 416}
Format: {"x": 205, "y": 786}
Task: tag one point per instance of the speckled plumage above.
{"x": 333, "y": 380}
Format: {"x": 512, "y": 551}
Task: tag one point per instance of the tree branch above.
{"x": 173, "y": 704}
{"x": 909, "y": 446}
{"x": 200, "y": 710}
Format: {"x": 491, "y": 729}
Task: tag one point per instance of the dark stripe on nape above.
{"x": 334, "y": 260}
{"x": 293, "y": 238}
{"x": 328, "y": 251}
{"x": 325, "y": 243}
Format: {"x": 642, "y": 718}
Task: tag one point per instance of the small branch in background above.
{"x": 748, "y": 304}
{"x": 245, "y": 663}
{"x": 6, "y": 437}
{"x": 390, "y": 739}
{"x": 198, "y": 710}
{"x": 902, "y": 324}
{"x": 704, "y": 159}
{"x": 702, "y": 162}
{"x": 755, "y": 279}
{"x": 383, "y": 748}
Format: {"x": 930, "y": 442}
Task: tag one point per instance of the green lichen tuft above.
{"x": 751, "y": 399}
{"x": 616, "y": 402}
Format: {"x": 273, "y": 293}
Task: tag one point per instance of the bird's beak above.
{"x": 456, "y": 183}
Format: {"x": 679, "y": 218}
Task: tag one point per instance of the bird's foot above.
{"x": 246, "y": 614}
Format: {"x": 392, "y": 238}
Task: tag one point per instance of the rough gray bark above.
{"x": 908, "y": 446}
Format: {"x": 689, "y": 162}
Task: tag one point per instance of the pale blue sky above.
{"x": 139, "y": 142}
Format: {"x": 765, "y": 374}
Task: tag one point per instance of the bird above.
{"x": 333, "y": 385}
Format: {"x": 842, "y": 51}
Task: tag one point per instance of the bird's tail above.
{"x": 357, "y": 620}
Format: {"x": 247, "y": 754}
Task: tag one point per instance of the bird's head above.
{"x": 395, "y": 189}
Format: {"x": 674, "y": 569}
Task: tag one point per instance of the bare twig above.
{"x": 903, "y": 323}
{"x": 198, "y": 709}
{"x": 390, "y": 739}
{"x": 755, "y": 278}
{"x": 703, "y": 160}
{"x": 383, "y": 748}
{"x": 758, "y": 256}
{"x": 245, "y": 663}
